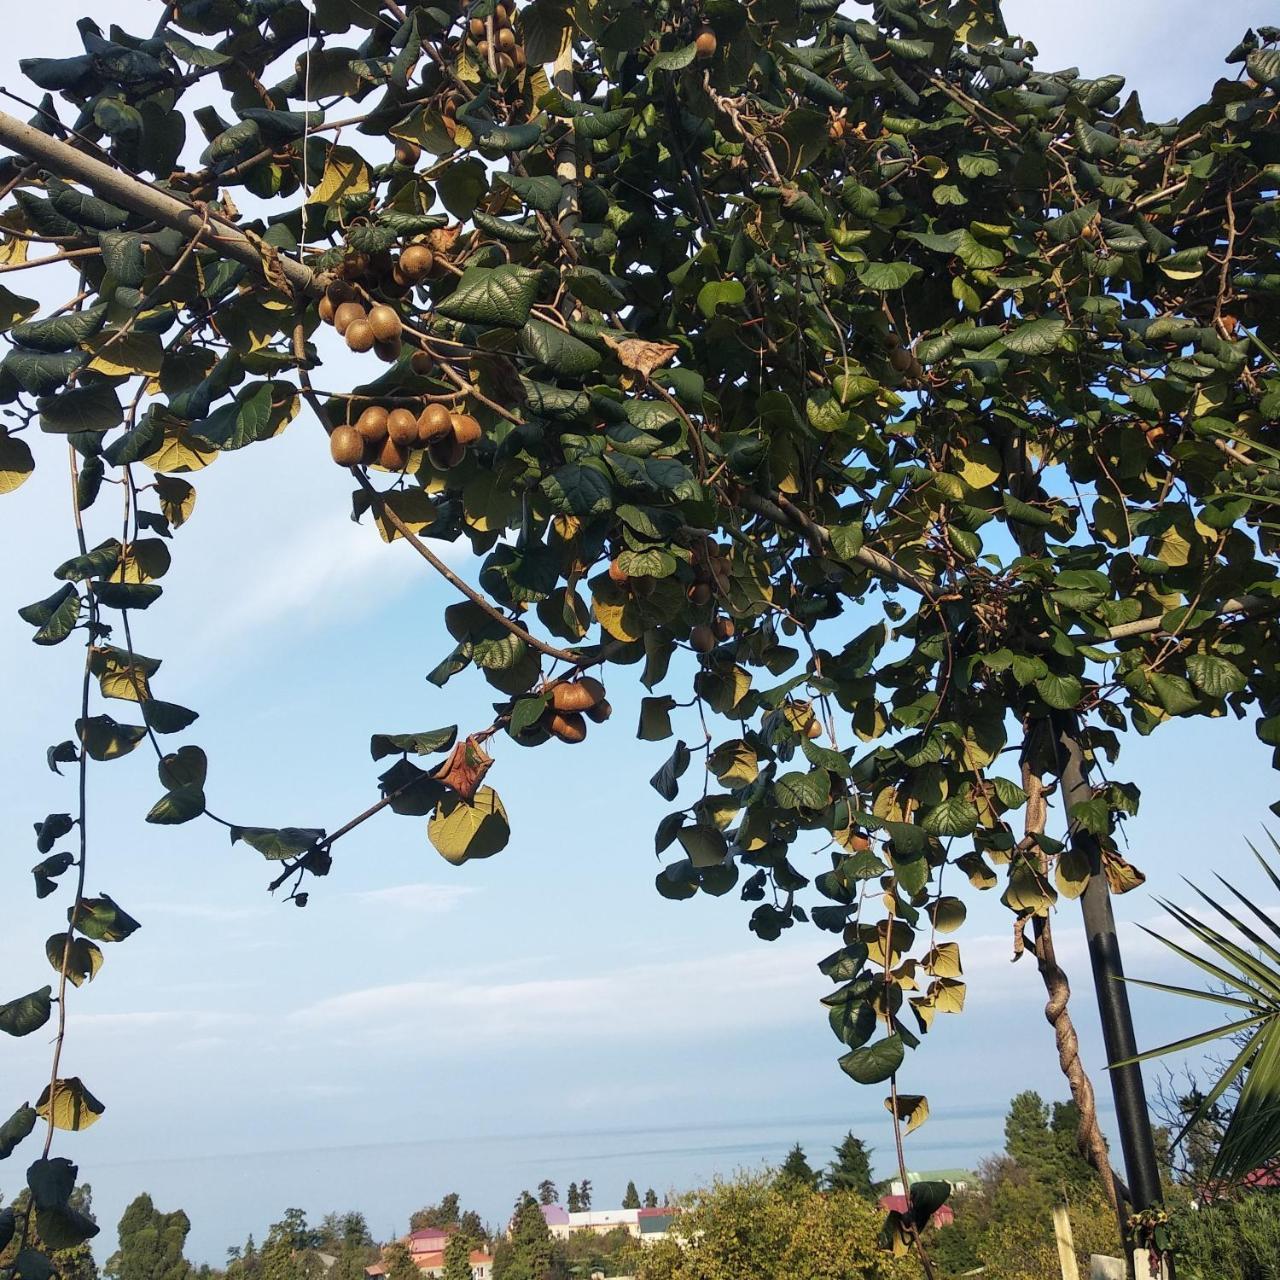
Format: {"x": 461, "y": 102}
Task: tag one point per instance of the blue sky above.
{"x": 546, "y": 991}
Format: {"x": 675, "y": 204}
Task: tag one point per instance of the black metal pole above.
{"x": 1137, "y": 1142}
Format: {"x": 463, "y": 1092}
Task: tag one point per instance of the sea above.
{"x": 232, "y": 1195}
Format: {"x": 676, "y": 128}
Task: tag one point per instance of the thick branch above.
{"x": 144, "y": 199}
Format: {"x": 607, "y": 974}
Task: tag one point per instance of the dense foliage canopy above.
{"x": 887, "y": 404}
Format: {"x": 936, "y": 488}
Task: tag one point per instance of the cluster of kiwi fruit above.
{"x": 573, "y": 703}
{"x": 388, "y": 436}
{"x": 508, "y": 52}
{"x": 707, "y": 576}
{"x": 903, "y": 359}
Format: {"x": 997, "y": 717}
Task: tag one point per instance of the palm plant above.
{"x": 1244, "y": 963}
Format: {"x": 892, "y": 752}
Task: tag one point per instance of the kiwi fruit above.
{"x": 435, "y": 423}
{"x": 326, "y": 308}
{"x": 475, "y": 28}
{"x": 618, "y": 574}
{"x": 421, "y": 363}
{"x": 339, "y": 291}
{"x": 568, "y": 726}
{"x": 813, "y": 729}
{"x": 699, "y": 593}
{"x": 346, "y": 446}
{"x": 702, "y": 639}
{"x": 446, "y": 453}
{"x": 360, "y": 336}
{"x": 600, "y": 712}
{"x": 355, "y": 265}
{"x": 402, "y": 427}
{"x": 372, "y": 424}
{"x": 723, "y": 628}
{"x": 408, "y": 153}
{"x": 577, "y": 695}
{"x": 506, "y": 40}
{"x": 385, "y": 323}
{"x": 388, "y": 351}
{"x": 345, "y": 315}
{"x": 466, "y": 430}
{"x": 393, "y": 456}
{"x": 705, "y": 43}
{"x": 901, "y": 359}
{"x": 415, "y": 262}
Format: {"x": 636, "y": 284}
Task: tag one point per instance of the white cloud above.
{"x": 420, "y": 899}
{"x": 708, "y": 994}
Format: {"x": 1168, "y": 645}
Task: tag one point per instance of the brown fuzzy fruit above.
{"x": 702, "y": 639}
{"x": 724, "y": 628}
{"x": 402, "y": 427}
{"x": 339, "y": 291}
{"x": 415, "y": 262}
{"x": 482, "y": 48}
{"x": 388, "y": 351}
{"x": 393, "y": 456}
{"x": 408, "y": 152}
{"x": 506, "y": 40}
{"x": 435, "y": 423}
{"x": 813, "y": 729}
{"x": 325, "y": 309}
{"x": 466, "y": 430}
{"x": 705, "y": 43}
{"x": 355, "y": 265}
{"x": 359, "y": 336}
{"x": 346, "y": 446}
{"x": 346, "y": 314}
{"x": 618, "y": 574}
{"x": 421, "y": 363}
{"x": 699, "y": 593}
{"x": 385, "y": 323}
{"x": 475, "y": 28}
{"x": 372, "y": 424}
{"x": 900, "y": 358}
{"x": 568, "y": 726}
{"x": 577, "y": 695}
{"x": 446, "y": 453}
{"x": 600, "y": 712}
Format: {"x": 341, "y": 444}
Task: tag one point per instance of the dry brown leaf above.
{"x": 643, "y": 357}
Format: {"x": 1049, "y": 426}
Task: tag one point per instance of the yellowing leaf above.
{"x": 979, "y": 465}
{"x": 133, "y": 353}
{"x": 943, "y": 961}
{"x": 181, "y": 451}
{"x": 461, "y": 831}
{"x": 71, "y": 1105}
{"x": 912, "y": 1107}
{"x": 616, "y": 611}
{"x": 16, "y": 462}
{"x": 345, "y": 174}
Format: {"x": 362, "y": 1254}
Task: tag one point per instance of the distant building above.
{"x": 432, "y": 1264}
{"x": 427, "y": 1240}
{"x": 645, "y": 1225}
{"x": 426, "y": 1248}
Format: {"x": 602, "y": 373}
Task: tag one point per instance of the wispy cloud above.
{"x": 418, "y": 899}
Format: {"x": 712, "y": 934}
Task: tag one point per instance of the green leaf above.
{"x": 673, "y": 59}
{"x": 84, "y": 958}
{"x": 51, "y": 1181}
{"x": 93, "y": 408}
{"x": 666, "y": 781}
{"x": 655, "y": 718}
{"x": 1214, "y": 675}
{"x": 492, "y": 295}
{"x": 955, "y": 816}
{"x": 186, "y": 767}
{"x": 705, "y": 845}
{"x": 885, "y": 276}
{"x": 16, "y": 462}
{"x": 278, "y": 843}
{"x": 1036, "y": 337}
{"x": 578, "y": 489}
{"x": 418, "y": 744}
{"x": 803, "y": 790}
{"x": 40, "y": 373}
{"x": 560, "y": 352}
{"x": 541, "y": 193}
{"x": 27, "y": 1014}
{"x": 17, "y": 1127}
{"x": 106, "y": 739}
{"x": 1061, "y": 692}
{"x": 720, "y": 293}
{"x": 182, "y": 804}
{"x": 102, "y": 919}
{"x": 61, "y": 333}
{"x": 874, "y": 1062}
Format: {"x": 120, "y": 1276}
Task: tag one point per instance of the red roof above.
{"x": 943, "y": 1217}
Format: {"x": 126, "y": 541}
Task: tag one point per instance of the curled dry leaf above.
{"x": 643, "y": 357}
{"x": 466, "y": 766}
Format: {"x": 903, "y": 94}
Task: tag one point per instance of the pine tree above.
{"x": 547, "y": 1193}
{"x": 440, "y": 1216}
{"x": 795, "y": 1171}
{"x": 651, "y": 1199}
{"x": 528, "y": 1253}
{"x": 851, "y": 1169}
{"x": 584, "y": 1193}
{"x": 151, "y": 1244}
{"x": 400, "y": 1264}
{"x": 457, "y": 1257}
{"x": 632, "y": 1198}
{"x": 573, "y": 1199}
